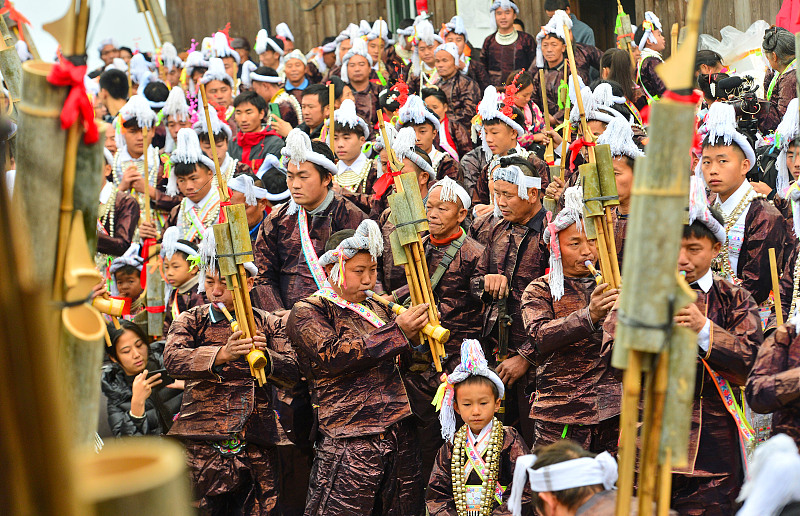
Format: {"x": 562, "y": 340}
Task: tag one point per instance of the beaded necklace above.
{"x": 795, "y": 287}
{"x": 489, "y": 477}
{"x": 723, "y": 261}
{"x": 351, "y": 179}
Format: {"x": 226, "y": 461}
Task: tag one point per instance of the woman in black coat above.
{"x": 138, "y": 403}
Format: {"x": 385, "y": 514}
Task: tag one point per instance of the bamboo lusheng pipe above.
{"x": 567, "y": 134}
{"x": 627, "y": 31}
{"x": 628, "y": 423}
{"x": 776, "y": 286}
{"x": 146, "y": 144}
{"x": 593, "y": 210}
{"x": 331, "y": 123}
{"x": 588, "y": 136}
{"x": 608, "y": 189}
{"x": 665, "y": 485}
{"x": 434, "y": 331}
{"x": 549, "y": 155}
{"x": 597, "y": 276}
{"x": 11, "y": 67}
{"x": 221, "y": 184}
{"x": 656, "y": 391}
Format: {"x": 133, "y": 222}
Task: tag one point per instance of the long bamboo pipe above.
{"x": 434, "y": 331}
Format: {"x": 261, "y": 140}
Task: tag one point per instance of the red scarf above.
{"x": 249, "y": 140}
{"x": 446, "y": 128}
{"x": 447, "y": 240}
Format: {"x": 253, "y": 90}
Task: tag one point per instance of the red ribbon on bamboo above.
{"x": 574, "y": 148}
{"x": 16, "y": 16}
{"x": 64, "y": 73}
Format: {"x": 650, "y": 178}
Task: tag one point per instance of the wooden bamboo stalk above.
{"x": 221, "y": 184}
{"x": 654, "y": 411}
{"x": 567, "y": 134}
{"x": 160, "y": 22}
{"x": 588, "y": 136}
{"x": 549, "y": 155}
{"x": 628, "y": 419}
{"x": 140, "y": 4}
{"x": 665, "y": 485}
{"x": 11, "y": 67}
{"x": 147, "y": 210}
{"x": 331, "y": 123}
{"x": 776, "y": 286}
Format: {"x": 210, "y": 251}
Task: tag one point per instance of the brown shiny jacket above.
{"x": 126, "y": 219}
{"x": 463, "y": 95}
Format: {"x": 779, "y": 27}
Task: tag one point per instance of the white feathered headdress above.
{"x": 187, "y": 151}
{"x": 651, "y": 23}
{"x": 403, "y": 146}
{"x": 619, "y": 136}
{"x": 263, "y": 41}
{"x": 786, "y": 133}
{"x": 554, "y": 27}
{"x": 359, "y": 48}
{"x": 216, "y": 72}
{"x": 176, "y": 105}
{"x": 137, "y": 107}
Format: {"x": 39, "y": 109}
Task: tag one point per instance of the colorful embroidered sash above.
{"x": 746, "y": 432}
{"x": 312, "y": 260}
{"x": 174, "y": 308}
{"x": 370, "y": 316}
{"x": 477, "y": 463}
{"x": 196, "y": 218}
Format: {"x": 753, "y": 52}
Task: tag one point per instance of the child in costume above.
{"x": 126, "y": 270}
{"x": 475, "y": 467}
{"x": 181, "y": 260}
{"x": 650, "y": 40}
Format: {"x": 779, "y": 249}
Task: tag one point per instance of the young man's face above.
{"x": 270, "y": 58}
{"x": 329, "y": 58}
{"x": 696, "y": 256}
{"x": 348, "y": 145}
{"x": 661, "y": 42}
{"x": 436, "y": 106}
{"x": 476, "y": 404}
{"x": 174, "y": 76}
{"x": 177, "y": 270}
{"x": 358, "y": 69}
{"x": 175, "y": 124}
{"x": 445, "y": 64}
{"x": 313, "y": 111}
{"x": 793, "y": 159}
{"x": 197, "y": 74}
{"x": 553, "y": 50}
{"x": 444, "y": 217}
{"x": 132, "y": 353}
{"x": 623, "y": 175}
{"x": 110, "y": 142}
{"x": 196, "y": 185}
{"x": 575, "y": 250}
{"x": 255, "y": 213}
{"x": 220, "y": 93}
{"x": 135, "y": 140}
{"x": 220, "y": 142}
{"x": 129, "y": 285}
{"x": 458, "y": 39}
{"x": 295, "y": 71}
{"x": 344, "y": 48}
{"x": 505, "y": 18}
{"x": 231, "y": 68}
{"x": 108, "y": 53}
{"x": 426, "y": 135}
{"x": 500, "y": 138}
{"x": 360, "y": 273}
{"x": 374, "y": 48}
{"x": 724, "y": 168}
{"x": 217, "y": 290}
{"x": 426, "y": 53}
{"x": 248, "y": 117}
{"x": 306, "y": 185}
{"x": 597, "y": 127}
{"x": 244, "y": 54}
{"x": 512, "y": 207}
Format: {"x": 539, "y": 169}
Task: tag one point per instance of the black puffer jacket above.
{"x": 160, "y": 407}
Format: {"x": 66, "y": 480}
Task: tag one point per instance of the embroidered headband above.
{"x": 368, "y": 237}
{"x": 650, "y": 24}
{"x": 571, "y": 214}
{"x": 246, "y": 185}
{"x": 451, "y": 191}
{"x": 473, "y": 363}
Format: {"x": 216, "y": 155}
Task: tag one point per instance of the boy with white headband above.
{"x": 227, "y": 424}
{"x": 223, "y": 135}
{"x": 220, "y": 87}
{"x": 515, "y": 255}
{"x": 177, "y": 115}
{"x": 172, "y": 62}
{"x": 752, "y": 224}
{"x": 181, "y": 259}
{"x": 289, "y": 241}
{"x": 268, "y": 83}
{"x": 426, "y": 125}
{"x": 357, "y": 173}
{"x": 366, "y": 459}
{"x": 270, "y": 51}
{"x": 255, "y": 199}
{"x": 506, "y": 49}
{"x": 566, "y": 480}
{"x": 221, "y": 49}
{"x": 357, "y": 72}
{"x": 577, "y": 395}
{"x": 462, "y": 91}
{"x": 454, "y": 31}
{"x": 474, "y": 468}
{"x": 649, "y": 38}
{"x": 501, "y": 127}
{"x": 451, "y": 256}
{"x": 422, "y": 70}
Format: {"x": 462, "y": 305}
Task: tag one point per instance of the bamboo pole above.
{"x": 665, "y": 485}
{"x": 654, "y": 411}
{"x": 222, "y": 185}
{"x": 567, "y": 134}
{"x": 628, "y": 419}
{"x": 776, "y": 286}
{"x": 588, "y": 136}
{"x": 160, "y": 21}
{"x": 11, "y": 67}
{"x": 146, "y": 144}
{"x": 331, "y": 123}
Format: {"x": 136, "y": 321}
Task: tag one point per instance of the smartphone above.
{"x": 166, "y": 379}
{"x": 274, "y": 109}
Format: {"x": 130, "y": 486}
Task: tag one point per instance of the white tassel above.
{"x": 404, "y": 142}
{"x": 721, "y": 123}
{"x": 138, "y": 108}
{"x": 176, "y": 105}
{"x": 282, "y": 30}
{"x": 297, "y": 145}
{"x": 414, "y": 111}
{"x": 374, "y": 236}
{"x": 774, "y": 478}
{"x": 169, "y": 241}
{"x": 247, "y": 68}
{"x": 519, "y": 482}
{"x": 619, "y": 137}
{"x": 187, "y": 149}
{"x": 293, "y": 207}
{"x": 604, "y": 95}
{"x": 261, "y": 42}
{"x": 556, "y": 277}
{"x": 336, "y": 276}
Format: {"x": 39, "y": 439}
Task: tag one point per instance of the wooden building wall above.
{"x": 198, "y": 18}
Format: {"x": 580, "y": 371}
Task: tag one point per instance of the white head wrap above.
{"x": 456, "y": 26}
{"x": 104, "y": 42}
{"x": 270, "y": 162}
{"x": 597, "y": 104}
{"x": 554, "y": 27}
{"x": 619, "y": 136}
{"x": 651, "y": 23}
{"x": 774, "y": 480}
{"x": 117, "y": 64}
{"x": 414, "y": 112}
{"x": 137, "y": 107}
{"x": 246, "y": 185}
{"x": 346, "y": 115}
{"x": 141, "y": 68}
{"x": 380, "y": 30}
{"x": 699, "y": 211}
{"x": 473, "y": 363}
{"x": 584, "y": 471}
{"x": 194, "y": 60}
{"x": 513, "y": 174}
{"x": 187, "y": 151}
{"x": 176, "y": 105}
{"x": 359, "y": 48}
{"x": 298, "y": 150}
{"x": 263, "y": 41}
{"x": 350, "y": 33}
{"x": 451, "y": 191}
{"x": 170, "y": 243}
{"x": 220, "y": 47}
{"x": 208, "y": 258}
{"x": 423, "y": 32}
{"x": 503, "y": 4}
{"x": 169, "y": 56}
{"x": 787, "y": 132}
{"x": 296, "y": 54}
{"x": 249, "y": 75}
{"x": 201, "y": 127}
{"x": 367, "y": 238}
{"x": 451, "y": 49}
{"x": 571, "y": 214}
{"x": 131, "y": 257}
{"x": 216, "y": 72}
{"x": 282, "y": 31}
{"x": 720, "y": 129}
{"x": 403, "y": 146}
{"x": 490, "y": 108}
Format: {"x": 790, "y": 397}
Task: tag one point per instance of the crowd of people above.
{"x": 354, "y": 418}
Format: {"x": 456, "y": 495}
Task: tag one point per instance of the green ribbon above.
{"x": 562, "y": 93}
